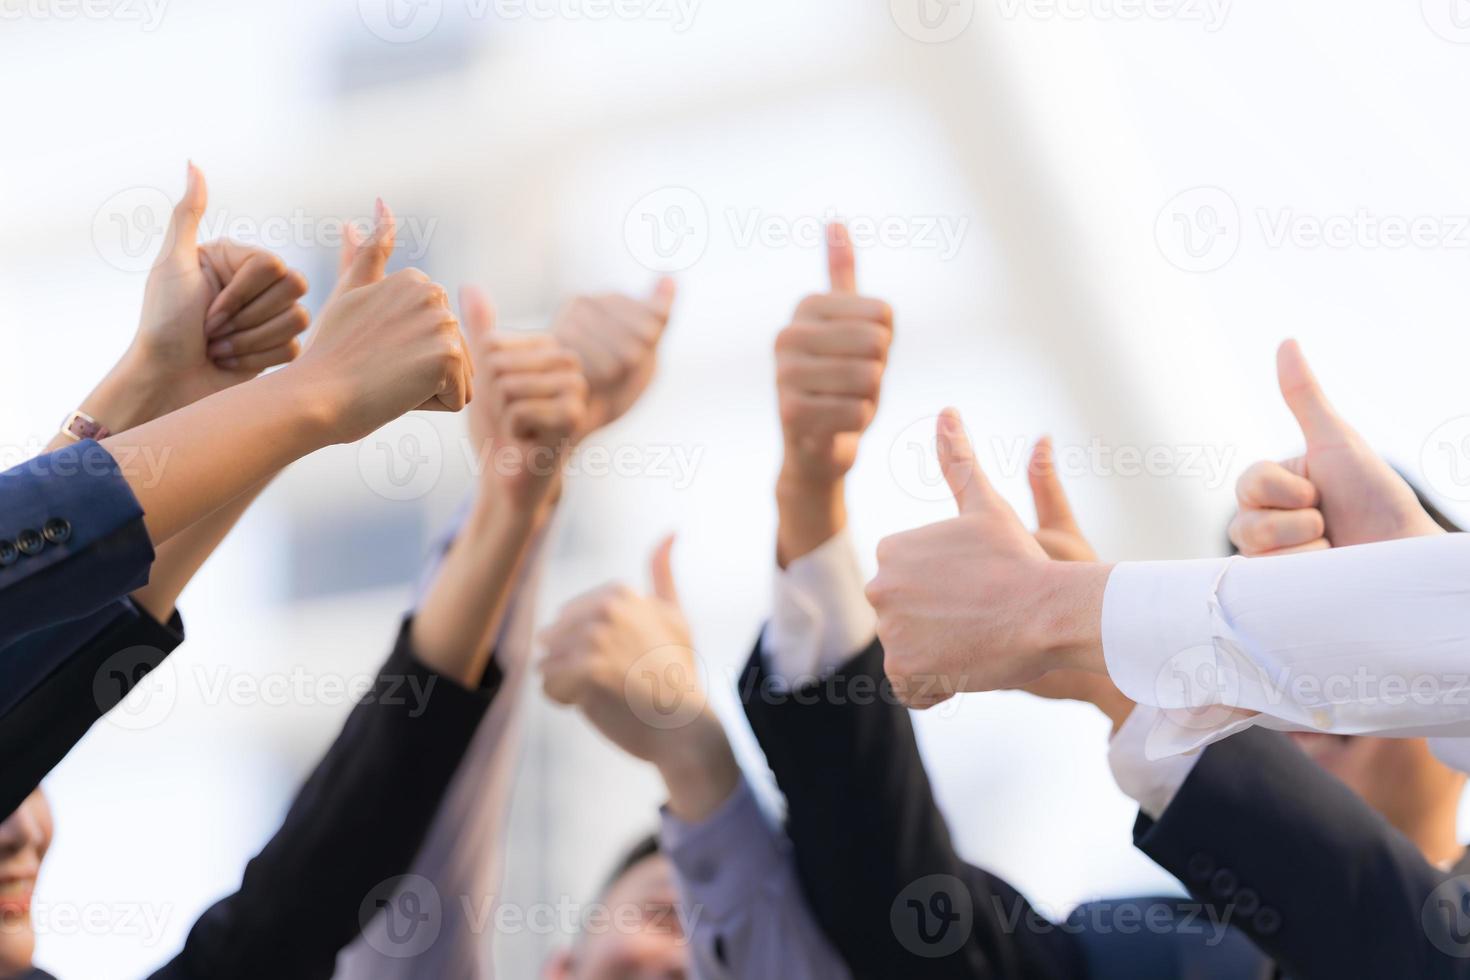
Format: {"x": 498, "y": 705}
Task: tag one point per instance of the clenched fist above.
{"x": 216, "y": 314}
{"x": 616, "y": 338}
{"x": 533, "y": 404}
{"x": 384, "y": 346}
{"x": 829, "y": 368}
{"x": 1340, "y": 492}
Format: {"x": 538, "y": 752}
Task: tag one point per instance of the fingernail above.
{"x": 213, "y": 324}
{"x": 378, "y": 209}
{"x": 221, "y": 347}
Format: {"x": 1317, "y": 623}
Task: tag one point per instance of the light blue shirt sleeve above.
{"x": 742, "y": 907}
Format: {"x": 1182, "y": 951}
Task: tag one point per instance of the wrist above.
{"x": 699, "y": 769}
{"x": 129, "y": 395}
{"x": 810, "y": 512}
{"x": 1067, "y": 618}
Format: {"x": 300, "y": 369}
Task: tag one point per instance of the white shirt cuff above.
{"x": 820, "y": 615}
{"x": 1152, "y": 781}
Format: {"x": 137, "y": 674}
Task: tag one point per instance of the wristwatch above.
{"x": 79, "y": 425}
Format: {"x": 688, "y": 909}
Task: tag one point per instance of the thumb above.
{"x": 957, "y": 459}
{"x": 371, "y": 258}
{"x": 183, "y": 226}
{"x": 351, "y": 245}
{"x": 477, "y": 314}
{"x": 1053, "y": 511}
{"x": 1319, "y": 421}
{"x": 662, "y": 299}
{"x": 841, "y": 259}
{"x": 661, "y": 569}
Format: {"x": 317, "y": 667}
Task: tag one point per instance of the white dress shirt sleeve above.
{"x": 1152, "y": 782}
{"x": 1373, "y": 639}
{"x": 820, "y": 616}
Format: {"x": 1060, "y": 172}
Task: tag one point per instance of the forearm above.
{"x": 457, "y": 621}
{"x": 182, "y": 556}
{"x": 122, "y": 400}
{"x": 810, "y": 512}
{"x": 700, "y": 771}
{"x": 184, "y": 465}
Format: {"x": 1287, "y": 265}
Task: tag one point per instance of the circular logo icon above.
{"x": 913, "y": 460}
{"x": 1445, "y": 459}
{"x": 1199, "y": 230}
{"x": 665, "y": 687}
{"x": 402, "y": 461}
{"x": 932, "y": 21}
{"x": 402, "y": 916}
{"x": 1450, "y": 19}
{"x": 400, "y": 21}
{"x": 933, "y": 917}
{"x": 1446, "y": 917}
{"x": 1197, "y": 687}
{"x": 131, "y": 228}
{"x": 668, "y": 230}
{"x": 135, "y": 689}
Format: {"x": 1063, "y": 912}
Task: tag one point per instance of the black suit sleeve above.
{"x": 357, "y": 822}
{"x": 872, "y": 849}
{"x": 108, "y": 653}
{"x": 1302, "y": 864}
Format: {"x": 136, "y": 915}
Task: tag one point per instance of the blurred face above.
{"x": 640, "y": 938}
{"x": 1399, "y": 777}
{"x": 24, "y": 837}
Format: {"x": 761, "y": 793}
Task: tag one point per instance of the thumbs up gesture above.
{"x": 974, "y": 603}
{"x": 383, "y": 345}
{"x": 829, "y": 369}
{"x": 624, "y": 659}
{"x": 533, "y": 403}
{"x": 1339, "y": 492}
{"x": 214, "y": 314}
{"x": 616, "y": 339}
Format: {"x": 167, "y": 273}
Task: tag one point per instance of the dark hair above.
{"x": 1438, "y": 516}
{"x": 641, "y": 851}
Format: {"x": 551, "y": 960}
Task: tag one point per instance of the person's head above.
{"x": 1398, "y": 777}
{"x": 25, "y": 836}
{"x": 634, "y": 932}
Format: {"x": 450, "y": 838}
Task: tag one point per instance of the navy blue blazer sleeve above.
{"x": 872, "y": 848}
{"x": 107, "y": 653}
{"x": 1299, "y": 862}
{"x": 72, "y": 540}
{"x": 356, "y": 824}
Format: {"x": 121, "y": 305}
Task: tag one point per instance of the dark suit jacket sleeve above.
{"x": 72, "y": 541}
{"x": 355, "y": 825}
{"x": 105, "y": 655}
{"x": 872, "y": 849}
{"x": 1300, "y": 863}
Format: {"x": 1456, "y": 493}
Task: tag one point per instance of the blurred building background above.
{"x": 1095, "y": 219}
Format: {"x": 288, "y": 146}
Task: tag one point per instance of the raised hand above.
{"x": 533, "y": 405}
{"x": 384, "y": 345}
{"x": 214, "y": 314}
{"x": 1340, "y": 492}
{"x": 974, "y": 603}
{"x": 616, "y": 338}
{"x": 625, "y": 660}
{"x": 829, "y": 368}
